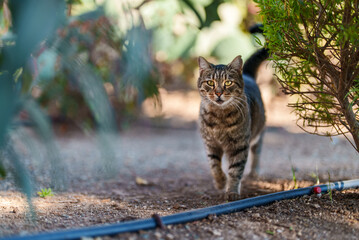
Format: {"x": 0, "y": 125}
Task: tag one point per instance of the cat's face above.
{"x": 221, "y": 84}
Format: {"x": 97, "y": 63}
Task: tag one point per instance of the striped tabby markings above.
{"x": 239, "y": 150}
{"x": 212, "y": 114}
{"x": 231, "y": 114}
{"x": 217, "y": 172}
{"x": 234, "y": 123}
{"x": 237, "y": 159}
{"x": 215, "y": 157}
{"x": 209, "y": 124}
{"x": 237, "y": 165}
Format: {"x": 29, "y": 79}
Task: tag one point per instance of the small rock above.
{"x": 212, "y": 217}
{"x": 169, "y": 236}
{"x": 87, "y": 238}
{"x": 256, "y": 215}
{"x": 316, "y": 205}
{"x": 141, "y": 181}
{"x": 176, "y": 206}
{"x": 158, "y": 235}
{"x": 216, "y": 232}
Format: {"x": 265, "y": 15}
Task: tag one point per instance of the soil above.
{"x": 160, "y": 167}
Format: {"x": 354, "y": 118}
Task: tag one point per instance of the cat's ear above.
{"x": 203, "y": 64}
{"x": 236, "y": 64}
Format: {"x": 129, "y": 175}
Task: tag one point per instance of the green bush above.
{"x": 315, "y": 47}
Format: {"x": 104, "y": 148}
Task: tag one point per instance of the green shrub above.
{"x": 315, "y": 47}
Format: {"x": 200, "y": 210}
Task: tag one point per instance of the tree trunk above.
{"x": 351, "y": 121}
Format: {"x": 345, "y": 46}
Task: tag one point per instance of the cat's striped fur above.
{"x": 231, "y": 118}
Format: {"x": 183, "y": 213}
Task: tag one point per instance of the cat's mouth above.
{"x": 219, "y": 101}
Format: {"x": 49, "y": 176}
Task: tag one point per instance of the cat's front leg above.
{"x": 237, "y": 158}
{"x": 214, "y": 155}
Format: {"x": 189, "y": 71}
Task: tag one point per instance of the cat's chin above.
{"x": 220, "y": 102}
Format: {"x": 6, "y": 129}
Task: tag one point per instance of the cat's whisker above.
{"x": 241, "y": 101}
{"x": 239, "y": 98}
{"x": 238, "y": 108}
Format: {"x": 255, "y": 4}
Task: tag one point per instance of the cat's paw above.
{"x": 231, "y": 196}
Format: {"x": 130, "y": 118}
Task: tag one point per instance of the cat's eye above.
{"x": 210, "y": 83}
{"x": 228, "y": 83}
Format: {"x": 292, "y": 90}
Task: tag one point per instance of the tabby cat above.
{"x": 232, "y": 118}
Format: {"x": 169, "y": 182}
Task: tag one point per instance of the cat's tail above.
{"x": 251, "y": 66}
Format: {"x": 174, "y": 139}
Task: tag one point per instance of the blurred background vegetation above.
{"x": 133, "y": 48}
{"x": 90, "y": 64}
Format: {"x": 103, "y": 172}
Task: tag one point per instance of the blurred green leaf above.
{"x": 44, "y": 130}
{"x": 73, "y": 1}
{"x": 194, "y": 10}
{"x": 212, "y": 12}
{"x": 2, "y": 167}
{"x": 19, "y": 171}
{"x": 32, "y": 22}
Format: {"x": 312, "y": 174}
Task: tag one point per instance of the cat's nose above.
{"x": 218, "y": 94}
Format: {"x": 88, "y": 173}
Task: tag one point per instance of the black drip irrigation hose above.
{"x": 184, "y": 217}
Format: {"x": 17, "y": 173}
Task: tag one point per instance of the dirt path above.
{"x": 173, "y": 176}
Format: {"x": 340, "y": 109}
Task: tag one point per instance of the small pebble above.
{"x": 169, "y": 236}
{"x": 216, "y": 232}
{"x": 256, "y": 215}
{"x": 316, "y": 205}
{"x": 158, "y": 235}
{"x": 212, "y": 217}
